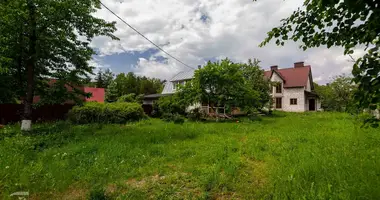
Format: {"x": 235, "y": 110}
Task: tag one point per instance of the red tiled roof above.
{"x": 293, "y": 77}
{"x": 97, "y": 94}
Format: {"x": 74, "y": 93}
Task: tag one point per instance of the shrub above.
{"x": 116, "y": 113}
{"x": 170, "y": 104}
{"x": 368, "y": 120}
{"x": 176, "y": 118}
{"x": 131, "y": 98}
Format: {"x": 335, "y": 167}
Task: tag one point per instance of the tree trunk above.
{"x": 30, "y": 64}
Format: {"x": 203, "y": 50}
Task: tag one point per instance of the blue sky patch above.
{"x": 126, "y": 61}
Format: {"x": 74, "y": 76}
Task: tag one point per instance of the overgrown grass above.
{"x": 287, "y": 156}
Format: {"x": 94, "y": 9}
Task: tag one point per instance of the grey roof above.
{"x": 185, "y": 75}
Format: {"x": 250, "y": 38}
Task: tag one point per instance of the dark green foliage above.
{"x": 104, "y": 79}
{"x": 351, "y": 24}
{"x": 47, "y": 44}
{"x": 368, "y": 119}
{"x": 176, "y": 118}
{"x": 338, "y": 95}
{"x": 131, "y": 98}
{"x": 125, "y": 84}
{"x": 113, "y": 113}
{"x": 111, "y": 92}
{"x": 98, "y": 194}
{"x": 171, "y": 104}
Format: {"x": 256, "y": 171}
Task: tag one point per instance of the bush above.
{"x": 197, "y": 114}
{"x": 130, "y": 98}
{"x": 176, "y": 118}
{"x": 115, "y": 113}
{"x": 368, "y": 120}
{"x": 170, "y": 104}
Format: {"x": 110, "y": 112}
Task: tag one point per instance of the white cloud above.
{"x": 233, "y": 29}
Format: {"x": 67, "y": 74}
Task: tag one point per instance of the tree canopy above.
{"x": 350, "y": 24}
{"x": 125, "y": 84}
{"x": 338, "y": 95}
{"x": 48, "y": 39}
{"x": 227, "y": 84}
{"x": 103, "y": 79}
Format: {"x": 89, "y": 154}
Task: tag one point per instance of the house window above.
{"x": 278, "y": 103}
{"x": 293, "y": 101}
{"x": 279, "y": 88}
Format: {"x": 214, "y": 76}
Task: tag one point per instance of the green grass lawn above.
{"x": 287, "y": 156}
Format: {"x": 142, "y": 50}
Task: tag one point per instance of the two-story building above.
{"x": 294, "y": 91}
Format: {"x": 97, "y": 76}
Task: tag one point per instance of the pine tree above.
{"x": 112, "y": 92}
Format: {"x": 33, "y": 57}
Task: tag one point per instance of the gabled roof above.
{"x": 293, "y": 77}
{"x": 185, "y": 75}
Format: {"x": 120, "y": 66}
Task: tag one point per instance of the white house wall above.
{"x": 308, "y": 86}
{"x": 294, "y": 93}
{"x": 287, "y": 94}
{"x": 168, "y": 88}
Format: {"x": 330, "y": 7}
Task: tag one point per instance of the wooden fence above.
{"x": 12, "y": 113}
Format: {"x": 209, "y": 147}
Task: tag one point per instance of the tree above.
{"x": 253, "y": 75}
{"x": 50, "y": 43}
{"x": 107, "y": 78}
{"x": 103, "y": 79}
{"x": 112, "y": 92}
{"x": 130, "y": 83}
{"x": 227, "y": 84}
{"x": 99, "y": 79}
{"x": 348, "y": 24}
{"x": 337, "y": 95}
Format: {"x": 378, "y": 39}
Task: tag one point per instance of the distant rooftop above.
{"x": 185, "y": 75}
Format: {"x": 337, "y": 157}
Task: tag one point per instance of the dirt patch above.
{"x": 145, "y": 181}
{"x": 111, "y": 189}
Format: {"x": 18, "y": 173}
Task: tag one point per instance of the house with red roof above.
{"x": 97, "y": 94}
{"x": 294, "y": 91}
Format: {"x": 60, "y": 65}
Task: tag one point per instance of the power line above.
{"x": 145, "y": 37}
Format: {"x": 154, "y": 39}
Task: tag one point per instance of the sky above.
{"x": 195, "y": 31}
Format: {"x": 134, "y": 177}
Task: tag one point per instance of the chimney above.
{"x": 274, "y": 67}
{"x": 199, "y": 66}
{"x": 299, "y": 64}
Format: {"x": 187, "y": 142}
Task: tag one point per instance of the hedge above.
{"x": 112, "y": 113}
